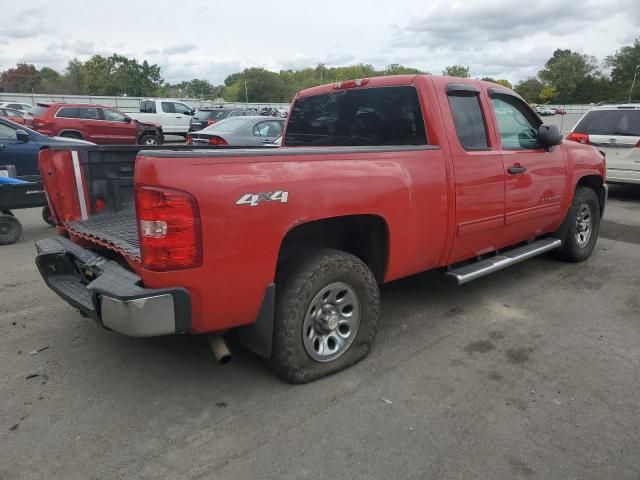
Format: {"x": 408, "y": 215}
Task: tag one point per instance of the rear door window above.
{"x": 89, "y": 113}
{"x": 610, "y": 122}
{"x": 469, "y": 121}
{"x": 268, "y": 129}
{"x": 365, "y": 116}
{"x": 68, "y": 112}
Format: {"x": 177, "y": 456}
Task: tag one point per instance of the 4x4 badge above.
{"x": 253, "y": 199}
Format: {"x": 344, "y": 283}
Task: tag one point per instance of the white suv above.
{"x": 615, "y": 130}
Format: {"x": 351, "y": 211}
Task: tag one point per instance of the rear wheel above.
{"x": 326, "y": 317}
{"x": 584, "y": 226}
{"x": 10, "y": 229}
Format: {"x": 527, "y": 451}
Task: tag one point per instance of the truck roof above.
{"x": 402, "y": 80}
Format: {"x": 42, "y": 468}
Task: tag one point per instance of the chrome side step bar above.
{"x": 479, "y": 269}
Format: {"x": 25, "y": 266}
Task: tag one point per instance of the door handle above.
{"x": 516, "y": 169}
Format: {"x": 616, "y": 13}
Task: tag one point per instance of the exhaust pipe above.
{"x": 219, "y": 348}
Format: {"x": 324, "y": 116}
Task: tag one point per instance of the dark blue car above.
{"x": 19, "y": 146}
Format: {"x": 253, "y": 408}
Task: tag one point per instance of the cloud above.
{"x": 454, "y": 25}
{"x": 181, "y": 48}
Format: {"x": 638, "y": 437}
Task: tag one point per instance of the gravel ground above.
{"x": 532, "y": 373}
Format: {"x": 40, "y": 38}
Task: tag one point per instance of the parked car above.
{"x": 23, "y": 107}
{"x": 20, "y": 145}
{"x": 239, "y": 132}
{"x": 615, "y": 130}
{"x": 377, "y": 179}
{"x": 545, "y": 111}
{"x": 560, "y": 111}
{"x": 173, "y": 116}
{"x": 209, "y": 116}
{"x": 97, "y": 123}
{"x": 13, "y": 115}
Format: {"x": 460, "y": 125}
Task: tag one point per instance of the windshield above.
{"x": 228, "y": 125}
{"x": 610, "y": 122}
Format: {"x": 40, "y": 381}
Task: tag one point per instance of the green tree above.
{"x": 74, "y": 77}
{"x": 50, "y": 81}
{"x": 530, "y": 89}
{"x": 565, "y": 71}
{"x": 547, "y": 94}
{"x": 456, "y": 71}
{"x": 255, "y": 85}
{"x": 117, "y": 75}
{"x": 623, "y": 64}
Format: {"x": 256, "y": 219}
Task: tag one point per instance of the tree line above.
{"x": 567, "y": 77}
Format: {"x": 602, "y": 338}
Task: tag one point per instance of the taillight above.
{"x": 217, "y": 141}
{"x": 169, "y": 229}
{"x": 578, "y": 137}
{"x": 37, "y": 123}
{"x": 351, "y": 83}
{"x": 189, "y": 140}
{"x": 211, "y": 122}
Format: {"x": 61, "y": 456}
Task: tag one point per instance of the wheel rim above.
{"x": 331, "y": 322}
{"x": 584, "y": 225}
{"x": 5, "y": 228}
{"x": 151, "y": 141}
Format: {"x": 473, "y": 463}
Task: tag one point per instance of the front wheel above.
{"x": 584, "y": 226}
{"x": 326, "y": 316}
{"x": 150, "y": 140}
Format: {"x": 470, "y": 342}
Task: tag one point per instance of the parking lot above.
{"x": 529, "y": 373}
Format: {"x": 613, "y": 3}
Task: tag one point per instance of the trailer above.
{"x": 16, "y": 194}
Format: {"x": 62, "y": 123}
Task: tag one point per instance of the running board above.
{"x": 479, "y": 269}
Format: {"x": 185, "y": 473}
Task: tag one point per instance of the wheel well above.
{"x": 594, "y": 182}
{"x": 365, "y": 236}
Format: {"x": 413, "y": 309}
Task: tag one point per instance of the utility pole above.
{"x": 246, "y": 94}
{"x": 633, "y": 83}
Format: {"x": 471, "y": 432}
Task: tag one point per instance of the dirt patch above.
{"x": 518, "y": 355}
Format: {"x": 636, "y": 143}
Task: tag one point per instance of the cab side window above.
{"x": 517, "y": 124}
{"x": 468, "y": 119}
{"x": 181, "y": 108}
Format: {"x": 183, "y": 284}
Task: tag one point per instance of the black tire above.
{"x": 573, "y": 249}
{"x": 150, "y": 139}
{"x": 46, "y": 216}
{"x": 71, "y": 135}
{"x": 10, "y": 230}
{"x": 300, "y": 282}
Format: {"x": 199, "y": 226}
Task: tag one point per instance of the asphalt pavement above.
{"x": 532, "y": 373}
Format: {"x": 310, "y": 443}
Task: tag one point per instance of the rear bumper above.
{"x": 617, "y": 175}
{"x": 110, "y": 294}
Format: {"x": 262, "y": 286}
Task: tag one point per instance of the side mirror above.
{"x": 549, "y": 136}
{"x": 127, "y": 119}
{"x": 22, "y": 136}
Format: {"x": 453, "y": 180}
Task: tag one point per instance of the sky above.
{"x": 211, "y": 39}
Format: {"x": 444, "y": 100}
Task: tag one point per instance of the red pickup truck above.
{"x": 377, "y": 179}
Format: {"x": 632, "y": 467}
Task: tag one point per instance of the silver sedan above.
{"x": 239, "y": 132}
